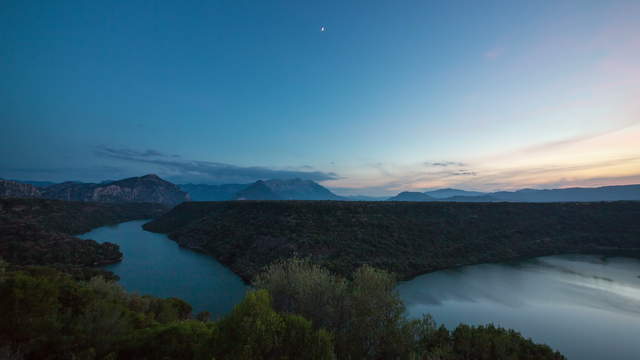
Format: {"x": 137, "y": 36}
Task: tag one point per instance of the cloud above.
{"x": 463, "y": 173}
{"x": 60, "y": 174}
{"x": 181, "y": 170}
{"x": 134, "y": 153}
{"x": 445, "y": 163}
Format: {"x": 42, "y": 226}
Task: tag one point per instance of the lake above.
{"x": 587, "y": 307}
{"x": 154, "y": 264}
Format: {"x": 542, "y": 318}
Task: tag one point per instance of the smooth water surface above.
{"x": 587, "y": 307}
{"x": 153, "y": 264}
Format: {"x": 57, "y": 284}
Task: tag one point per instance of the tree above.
{"x": 254, "y": 330}
{"x": 365, "y": 313}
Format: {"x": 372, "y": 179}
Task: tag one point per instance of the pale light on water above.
{"x": 587, "y": 307}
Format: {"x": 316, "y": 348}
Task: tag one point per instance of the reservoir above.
{"x": 154, "y": 264}
{"x": 587, "y": 307}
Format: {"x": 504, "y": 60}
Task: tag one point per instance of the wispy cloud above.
{"x": 60, "y": 174}
{"x": 183, "y": 170}
{"x": 445, "y": 163}
{"x": 610, "y": 157}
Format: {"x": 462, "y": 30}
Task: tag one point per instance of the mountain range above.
{"x": 148, "y": 188}
{"x": 274, "y": 189}
{"x": 411, "y": 196}
{"x": 449, "y": 193}
{"x": 605, "y": 193}
{"x": 151, "y": 188}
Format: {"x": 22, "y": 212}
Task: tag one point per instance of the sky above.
{"x": 391, "y": 96}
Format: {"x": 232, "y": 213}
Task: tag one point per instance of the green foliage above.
{"x": 254, "y": 330}
{"x": 49, "y": 315}
{"x": 39, "y": 232}
{"x": 188, "y": 339}
{"x": 367, "y": 317}
{"x": 490, "y": 342}
{"x": 365, "y": 313}
{"x": 404, "y": 238}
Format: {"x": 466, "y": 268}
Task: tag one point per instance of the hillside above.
{"x": 408, "y": 238}
{"x": 39, "y": 231}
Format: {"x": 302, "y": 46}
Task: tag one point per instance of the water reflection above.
{"x": 588, "y": 307}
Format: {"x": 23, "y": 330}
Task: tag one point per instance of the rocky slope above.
{"x": 408, "y": 238}
{"x": 148, "y": 188}
{"x": 13, "y": 189}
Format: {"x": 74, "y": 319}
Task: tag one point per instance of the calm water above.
{"x": 586, "y": 307}
{"x": 154, "y": 264}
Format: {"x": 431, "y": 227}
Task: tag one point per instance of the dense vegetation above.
{"x": 71, "y": 217}
{"x": 407, "y": 238}
{"x": 48, "y": 315}
{"x": 39, "y": 232}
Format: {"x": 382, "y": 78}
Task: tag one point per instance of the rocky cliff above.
{"x": 148, "y": 188}
{"x": 12, "y": 189}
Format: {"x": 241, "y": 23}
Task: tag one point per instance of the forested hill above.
{"x": 408, "y": 238}
{"x": 39, "y": 231}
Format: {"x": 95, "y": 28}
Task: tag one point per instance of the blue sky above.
{"x": 394, "y": 95}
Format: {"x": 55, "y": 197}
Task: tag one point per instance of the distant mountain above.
{"x": 290, "y": 189}
{"x": 364, "y": 198}
{"x": 447, "y": 193}
{"x": 13, "y": 189}
{"x": 298, "y": 189}
{"x": 411, "y": 196}
{"x": 606, "y": 193}
{"x": 148, "y": 188}
{"x": 482, "y": 198}
{"x": 257, "y": 191}
{"x": 203, "y": 192}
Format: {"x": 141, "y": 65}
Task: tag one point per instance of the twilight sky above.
{"x": 394, "y": 95}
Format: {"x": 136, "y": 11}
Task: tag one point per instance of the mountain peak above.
{"x": 411, "y": 196}
{"x": 450, "y": 192}
{"x": 286, "y": 189}
{"x": 151, "y": 176}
